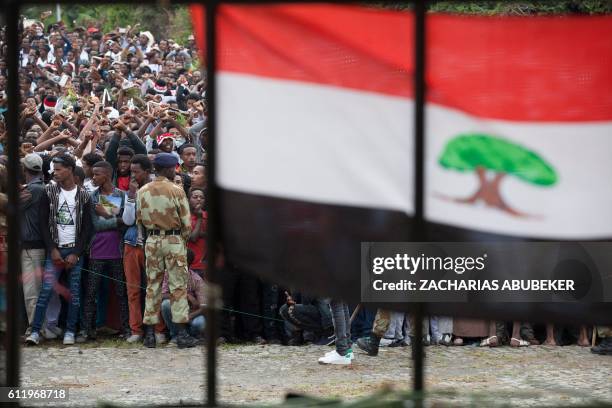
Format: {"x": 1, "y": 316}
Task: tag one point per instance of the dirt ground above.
{"x": 249, "y": 374}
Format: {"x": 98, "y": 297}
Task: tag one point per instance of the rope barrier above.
{"x": 144, "y": 288}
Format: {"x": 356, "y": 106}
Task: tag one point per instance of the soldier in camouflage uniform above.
{"x": 163, "y": 210}
{"x": 605, "y": 347}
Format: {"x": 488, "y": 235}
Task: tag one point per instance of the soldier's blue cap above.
{"x": 165, "y": 160}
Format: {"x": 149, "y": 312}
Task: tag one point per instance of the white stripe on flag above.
{"x": 577, "y": 206}
{"x": 315, "y": 143}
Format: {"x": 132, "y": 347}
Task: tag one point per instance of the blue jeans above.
{"x": 362, "y": 325}
{"x": 50, "y": 277}
{"x": 196, "y": 326}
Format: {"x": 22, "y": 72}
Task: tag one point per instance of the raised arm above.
{"x": 70, "y": 126}
{"x": 45, "y": 145}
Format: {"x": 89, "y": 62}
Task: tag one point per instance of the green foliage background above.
{"x": 173, "y": 22}
{"x": 518, "y": 8}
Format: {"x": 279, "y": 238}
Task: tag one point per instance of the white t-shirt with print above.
{"x": 66, "y": 216}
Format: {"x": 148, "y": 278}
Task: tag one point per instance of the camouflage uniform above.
{"x": 161, "y": 205}
{"x": 604, "y": 331}
{"x": 381, "y": 322}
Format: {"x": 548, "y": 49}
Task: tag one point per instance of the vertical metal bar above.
{"x": 13, "y": 263}
{"x": 419, "y": 184}
{"x": 213, "y": 202}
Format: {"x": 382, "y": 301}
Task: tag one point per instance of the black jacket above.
{"x": 31, "y": 236}
{"x": 84, "y": 224}
{"x": 132, "y": 141}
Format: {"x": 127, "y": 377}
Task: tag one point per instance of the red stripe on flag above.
{"x": 521, "y": 69}
{"x": 524, "y": 69}
{"x": 351, "y": 47}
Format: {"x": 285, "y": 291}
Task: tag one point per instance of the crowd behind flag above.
{"x": 314, "y": 154}
{"x": 518, "y": 117}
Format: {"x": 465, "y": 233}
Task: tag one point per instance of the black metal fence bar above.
{"x": 419, "y": 178}
{"x": 13, "y": 261}
{"x": 213, "y": 198}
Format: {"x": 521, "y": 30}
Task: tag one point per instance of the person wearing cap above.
{"x": 33, "y": 245}
{"x": 163, "y": 210}
{"x": 145, "y": 41}
{"x": 49, "y": 103}
{"x": 66, "y": 227}
{"x": 165, "y": 142}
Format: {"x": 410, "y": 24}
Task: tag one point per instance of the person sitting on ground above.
{"x": 195, "y": 297}
{"x": 311, "y": 315}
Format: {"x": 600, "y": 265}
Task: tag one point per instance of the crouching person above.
{"x": 195, "y": 298}
{"x": 312, "y": 315}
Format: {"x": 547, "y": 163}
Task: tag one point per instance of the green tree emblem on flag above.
{"x": 492, "y": 159}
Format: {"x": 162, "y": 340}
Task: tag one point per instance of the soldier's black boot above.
{"x": 604, "y": 348}
{"x": 183, "y": 339}
{"x": 369, "y": 344}
{"x": 149, "y": 338}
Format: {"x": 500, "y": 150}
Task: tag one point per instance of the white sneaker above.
{"x": 69, "y": 338}
{"x": 33, "y": 339}
{"x": 384, "y": 342}
{"x": 335, "y": 358}
{"x": 160, "y": 338}
{"x": 134, "y": 338}
{"x": 349, "y": 354}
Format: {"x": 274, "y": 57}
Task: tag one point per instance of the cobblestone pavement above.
{"x": 255, "y": 374}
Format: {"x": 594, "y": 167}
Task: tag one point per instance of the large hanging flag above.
{"x": 315, "y": 140}
{"x": 519, "y": 125}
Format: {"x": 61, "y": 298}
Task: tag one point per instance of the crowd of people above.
{"x": 113, "y": 206}
{"x": 102, "y": 116}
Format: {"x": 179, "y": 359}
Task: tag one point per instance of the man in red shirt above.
{"x": 122, "y": 147}
{"x": 197, "y": 239}
{"x": 124, "y": 158}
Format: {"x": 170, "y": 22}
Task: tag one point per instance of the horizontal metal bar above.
{"x": 162, "y": 3}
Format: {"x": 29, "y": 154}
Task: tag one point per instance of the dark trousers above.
{"x": 362, "y": 325}
{"x": 103, "y": 269}
{"x": 241, "y": 293}
{"x": 269, "y": 296}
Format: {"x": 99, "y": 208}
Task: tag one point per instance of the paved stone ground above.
{"x": 250, "y": 374}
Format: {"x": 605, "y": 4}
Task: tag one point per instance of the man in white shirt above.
{"x": 66, "y": 226}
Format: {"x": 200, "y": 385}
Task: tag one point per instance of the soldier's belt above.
{"x": 164, "y": 232}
